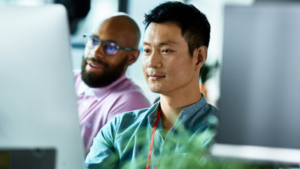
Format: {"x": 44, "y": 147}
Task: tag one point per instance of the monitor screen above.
{"x": 259, "y": 105}
{"x": 38, "y": 107}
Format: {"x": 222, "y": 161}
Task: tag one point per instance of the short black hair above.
{"x": 195, "y": 28}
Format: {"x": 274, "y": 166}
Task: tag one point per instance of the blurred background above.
{"x": 84, "y": 14}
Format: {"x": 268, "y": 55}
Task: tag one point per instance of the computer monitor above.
{"x": 38, "y": 107}
{"x": 260, "y": 84}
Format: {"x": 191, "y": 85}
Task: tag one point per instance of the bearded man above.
{"x": 103, "y": 91}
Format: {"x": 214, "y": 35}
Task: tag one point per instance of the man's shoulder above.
{"x": 128, "y": 86}
{"x": 205, "y": 107}
{"x": 132, "y": 118}
{"x": 209, "y": 112}
{"x": 211, "y": 109}
{"x": 211, "y": 116}
{"x": 132, "y": 93}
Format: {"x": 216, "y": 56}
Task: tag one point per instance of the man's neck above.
{"x": 172, "y": 105}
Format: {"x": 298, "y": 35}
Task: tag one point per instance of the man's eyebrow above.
{"x": 146, "y": 43}
{"x": 107, "y": 40}
{"x": 167, "y": 43}
{"x": 162, "y": 43}
{"x": 96, "y": 36}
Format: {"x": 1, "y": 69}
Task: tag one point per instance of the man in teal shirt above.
{"x": 175, "y": 48}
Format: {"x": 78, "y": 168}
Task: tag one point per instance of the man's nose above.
{"x": 154, "y": 60}
{"x": 98, "y": 50}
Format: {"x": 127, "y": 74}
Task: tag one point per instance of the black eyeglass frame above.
{"x": 86, "y": 37}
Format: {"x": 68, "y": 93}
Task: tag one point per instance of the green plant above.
{"x": 207, "y": 71}
{"x": 197, "y": 155}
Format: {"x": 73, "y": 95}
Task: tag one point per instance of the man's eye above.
{"x": 166, "y": 51}
{"x": 146, "y": 50}
{"x": 95, "y": 41}
{"x": 111, "y": 47}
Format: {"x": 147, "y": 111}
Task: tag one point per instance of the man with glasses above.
{"x": 103, "y": 90}
{"x": 175, "y": 48}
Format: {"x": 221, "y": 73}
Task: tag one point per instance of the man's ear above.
{"x": 133, "y": 56}
{"x": 200, "y": 56}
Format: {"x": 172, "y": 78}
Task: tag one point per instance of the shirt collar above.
{"x": 153, "y": 114}
{"x": 185, "y": 113}
{"x": 190, "y": 110}
{"x": 99, "y": 92}
{"x": 82, "y": 88}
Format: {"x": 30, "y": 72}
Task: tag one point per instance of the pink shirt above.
{"x": 97, "y": 106}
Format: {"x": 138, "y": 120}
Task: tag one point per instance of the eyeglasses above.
{"x": 109, "y": 48}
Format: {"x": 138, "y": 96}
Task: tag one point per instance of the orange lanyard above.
{"x": 152, "y": 139}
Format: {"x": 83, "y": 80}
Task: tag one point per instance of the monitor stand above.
{"x": 16, "y": 158}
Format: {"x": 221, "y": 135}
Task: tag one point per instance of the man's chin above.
{"x": 155, "y": 89}
{"x": 96, "y": 80}
{"x": 92, "y": 79}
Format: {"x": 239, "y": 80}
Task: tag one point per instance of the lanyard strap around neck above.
{"x": 152, "y": 139}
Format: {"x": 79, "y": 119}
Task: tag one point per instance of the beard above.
{"x": 109, "y": 75}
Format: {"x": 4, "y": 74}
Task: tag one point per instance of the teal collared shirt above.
{"x": 124, "y": 142}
